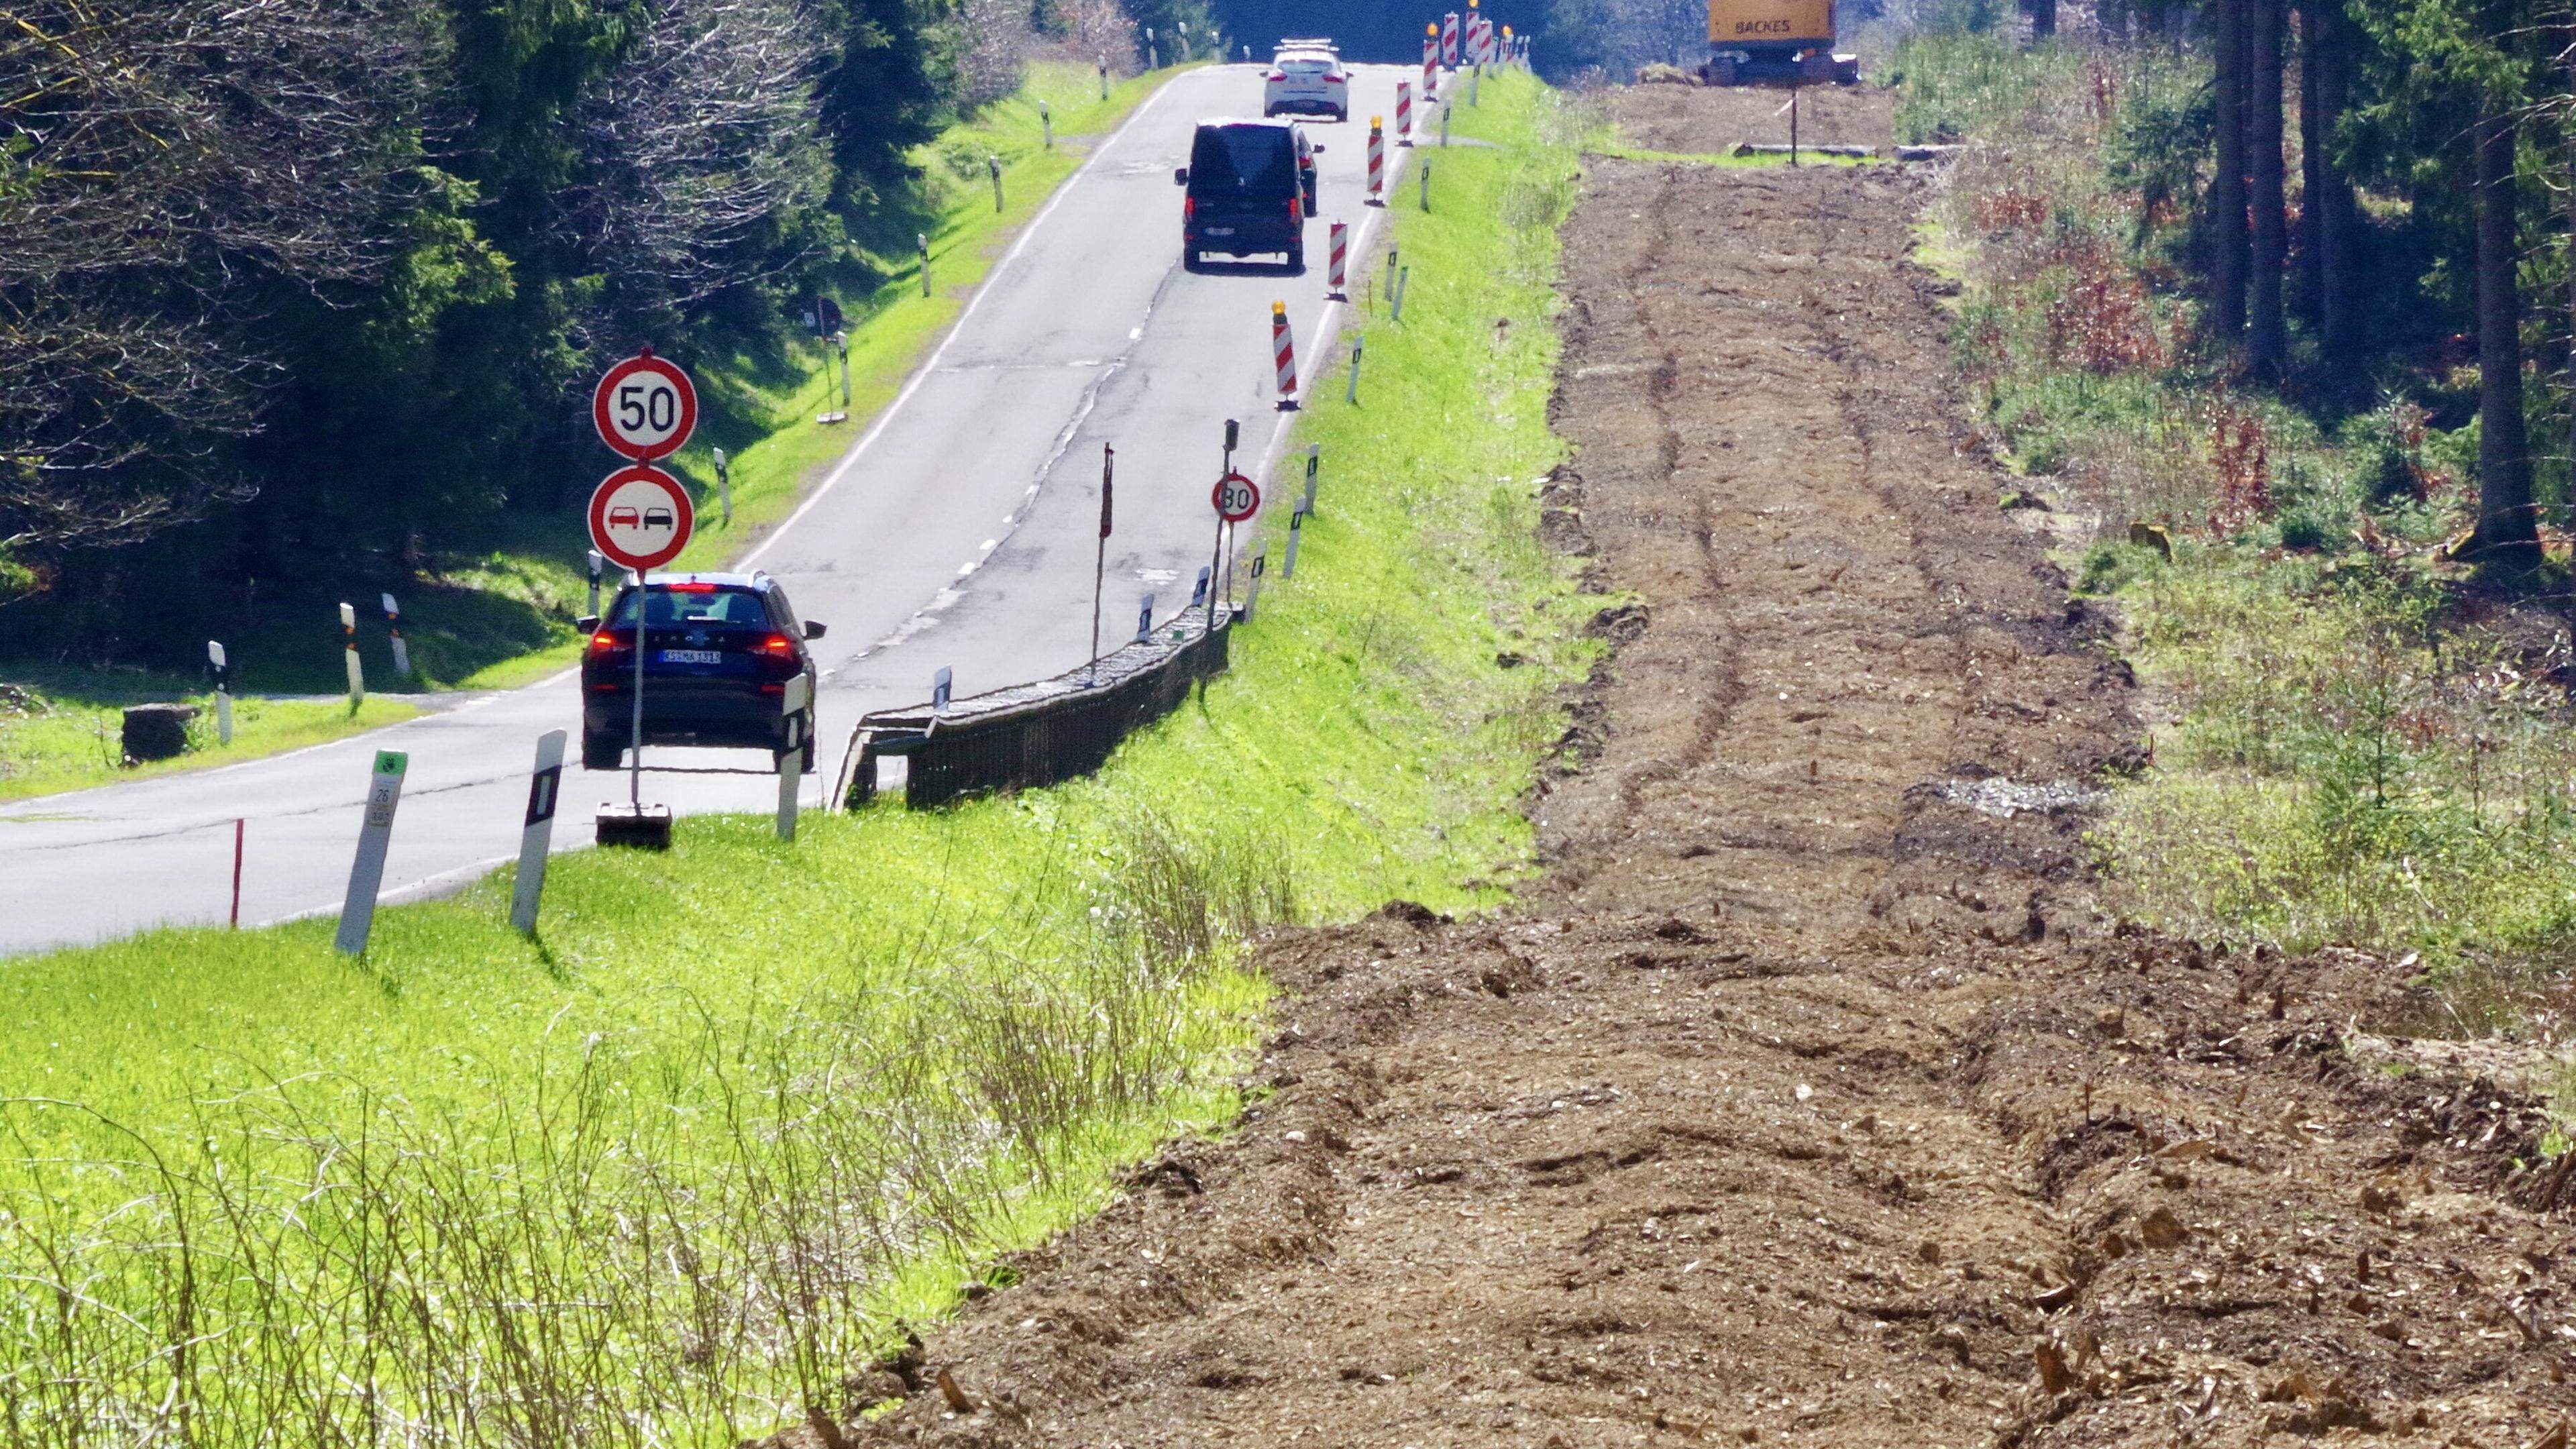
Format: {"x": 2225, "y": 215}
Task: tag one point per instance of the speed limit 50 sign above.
{"x": 645, "y": 407}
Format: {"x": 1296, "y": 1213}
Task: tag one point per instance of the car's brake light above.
{"x": 603, "y": 642}
{"x": 690, "y": 588}
{"x": 776, "y": 646}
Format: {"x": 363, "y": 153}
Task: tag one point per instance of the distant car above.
{"x": 720, "y": 650}
{"x": 1306, "y": 78}
{"x": 659, "y": 518}
{"x": 624, "y": 518}
{"x": 1248, "y": 189}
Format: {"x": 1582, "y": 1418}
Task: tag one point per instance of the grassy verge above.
{"x": 68, "y": 738}
{"x": 661, "y": 1175}
{"x": 2356, "y": 744}
{"x": 503, "y": 617}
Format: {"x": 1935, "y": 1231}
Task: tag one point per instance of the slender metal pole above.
{"x": 635, "y": 769}
{"x": 1100, "y": 564}
{"x": 1793, "y": 125}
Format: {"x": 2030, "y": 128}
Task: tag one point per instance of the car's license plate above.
{"x": 1220, "y": 231}
{"x": 692, "y": 656}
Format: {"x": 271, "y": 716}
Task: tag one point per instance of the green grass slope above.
{"x": 661, "y": 1174}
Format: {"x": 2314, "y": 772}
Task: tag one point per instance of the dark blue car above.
{"x": 719, "y": 650}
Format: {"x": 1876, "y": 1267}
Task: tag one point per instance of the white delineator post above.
{"x": 1377, "y": 161}
{"x": 1404, "y": 113}
{"x": 393, "y": 626}
{"x": 349, "y": 653}
{"x": 537, "y": 832}
{"x": 1296, "y": 527}
{"x": 791, "y": 765}
{"x": 1252, "y": 596}
{"x": 1314, "y": 465}
{"x": 223, "y": 692}
{"x": 1426, "y": 183}
{"x": 1351, "y": 394}
{"x": 367, "y": 871}
{"x": 1403, "y": 278}
{"x": 1283, "y": 348}
{"x": 1337, "y": 262}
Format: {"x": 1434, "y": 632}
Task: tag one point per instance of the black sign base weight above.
{"x": 643, "y": 827}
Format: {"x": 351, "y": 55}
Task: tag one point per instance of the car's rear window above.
{"x": 716, "y": 607}
{"x": 1305, "y": 65}
{"x": 1254, "y": 157}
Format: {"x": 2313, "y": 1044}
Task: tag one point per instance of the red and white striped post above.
{"x": 1377, "y": 161}
{"x": 1449, "y": 40}
{"x": 1404, "y": 113}
{"x": 1337, "y": 268}
{"x": 1283, "y": 349}
{"x": 1430, "y": 61}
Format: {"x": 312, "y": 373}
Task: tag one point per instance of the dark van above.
{"x": 1245, "y": 191}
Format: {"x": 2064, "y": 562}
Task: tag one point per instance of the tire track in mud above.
{"x": 1801, "y": 1103}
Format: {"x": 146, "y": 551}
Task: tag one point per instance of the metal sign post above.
{"x": 349, "y": 654}
{"x": 1236, "y": 500}
{"x": 537, "y": 832}
{"x": 635, "y": 765}
{"x": 223, "y": 692}
{"x": 393, "y": 625}
{"x": 1100, "y": 562}
{"x": 367, "y": 871}
{"x": 791, "y": 764}
{"x": 640, "y": 520}
{"x": 1216, "y": 549}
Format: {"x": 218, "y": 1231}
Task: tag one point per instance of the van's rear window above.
{"x": 1258, "y": 157}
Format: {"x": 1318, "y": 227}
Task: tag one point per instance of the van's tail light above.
{"x": 1296, "y": 207}
{"x": 1189, "y": 207}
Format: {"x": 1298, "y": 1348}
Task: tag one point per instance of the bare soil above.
{"x": 1811, "y": 1099}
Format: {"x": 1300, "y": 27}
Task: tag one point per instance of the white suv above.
{"x": 1307, "y": 77}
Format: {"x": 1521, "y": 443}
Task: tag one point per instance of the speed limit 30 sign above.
{"x": 645, "y": 407}
{"x": 1236, "y": 498}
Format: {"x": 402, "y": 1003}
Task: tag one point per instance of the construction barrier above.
{"x": 1430, "y": 61}
{"x": 1449, "y": 40}
{"x": 1337, "y": 263}
{"x": 1404, "y": 113}
{"x": 1377, "y": 161}
{"x": 1283, "y": 349}
{"x": 1032, "y": 735}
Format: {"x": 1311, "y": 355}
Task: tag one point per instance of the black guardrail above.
{"x": 1036, "y": 734}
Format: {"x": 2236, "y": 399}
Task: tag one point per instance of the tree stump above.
{"x": 157, "y": 731}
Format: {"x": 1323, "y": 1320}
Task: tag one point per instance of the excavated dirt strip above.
{"x": 1810, "y": 1100}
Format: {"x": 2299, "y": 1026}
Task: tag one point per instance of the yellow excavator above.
{"x": 1775, "y": 43}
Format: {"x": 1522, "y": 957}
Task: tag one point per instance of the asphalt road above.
{"x": 958, "y": 531}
